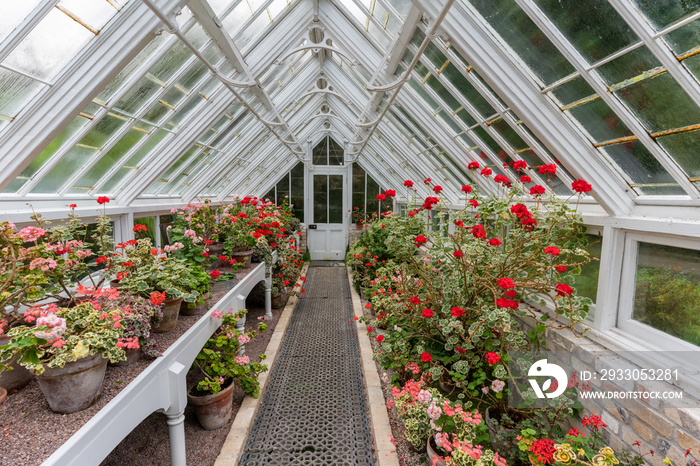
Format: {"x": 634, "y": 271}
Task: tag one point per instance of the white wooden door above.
{"x": 328, "y": 229}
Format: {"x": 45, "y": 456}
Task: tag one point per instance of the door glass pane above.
{"x": 320, "y": 153}
{"x": 335, "y": 153}
{"x": 667, "y": 291}
{"x": 320, "y": 199}
{"x": 335, "y": 198}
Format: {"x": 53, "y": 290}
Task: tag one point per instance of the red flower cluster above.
{"x": 492, "y": 358}
{"x": 426, "y": 357}
{"x": 420, "y": 239}
{"x": 390, "y": 193}
{"x": 537, "y": 190}
{"x": 380, "y": 338}
{"x": 507, "y": 303}
{"x": 502, "y": 179}
{"x": 408, "y": 183}
{"x": 414, "y": 300}
{"x": 158, "y": 298}
{"x": 437, "y": 189}
{"x": 427, "y": 181}
{"x": 548, "y": 169}
{"x": 525, "y": 179}
{"x": 214, "y": 274}
{"x": 526, "y": 220}
{"x": 459, "y": 223}
{"x": 466, "y": 188}
{"x": 140, "y": 227}
{"x": 430, "y": 202}
{"x": 427, "y": 313}
{"x": 563, "y": 289}
{"x": 494, "y": 242}
{"x": 102, "y": 199}
{"x": 561, "y": 268}
{"x": 553, "y": 250}
{"x": 478, "y": 231}
{"x": 505, "y": 283}
{"x": 593, "y": 422}
{"x": 544, "y": 450}
{"x": 486, "y": 171}
{"x": 73, "y": 206}
{"x": 381, "y": 197}
{"x": 473, "y": 203}
{"x": 581, "y": 186}
{"x": 457, "y": 253}
{"x": 473, "y": 166}
{"x": 519, "y": 165}
{"x": 457, "y": 312}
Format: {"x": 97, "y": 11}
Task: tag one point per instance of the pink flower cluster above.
{"x": 242, "y": 360}
{"x": 29, "y": 234}
{"x": 56, "y": 326}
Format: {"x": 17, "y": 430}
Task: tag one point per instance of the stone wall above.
{"x": 657, "y": 425}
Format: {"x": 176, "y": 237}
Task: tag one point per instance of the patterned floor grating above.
{"x": 314, "y": 412}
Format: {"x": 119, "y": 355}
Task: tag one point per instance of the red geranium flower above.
{"x": 486, "y": 171}
{"x": 544, "y": 450}
{"x": 492, "y": 358}
{"x": 408, "y": 183}
{"x": 466, "y": 188}
{"x": 459, "y": 223}
{"x": 525, "y": 179}
{"x": 420, "y": 239}
{"x": 381, "y": 197}
{"x": 581, "y": 186}
{"x": 457, "y": 253}
{"x": 140, "y": 227}
{"x": 457, "y": 312}
{"x": 426, "y": 357}
{"x": 494, "y": 242}
{"x": 537, "y": 190}
{"x": 369, "y": 329}
{"x": 473, "y": 203}
{"x": 561, "y": 268}
{"x": 505, "y": 283}
{"x": 414, "y": 300}
{"x": 427, "y": 181}
{"x": 553, "y": 250}
{"x": 157, "y": 298}
{"x": 380, "y": 337}
{"x": 507, "y": 303}
{"x": 390, "y": 193}
{"x": 214, "y": 274}
{"x": 563, "y": 289}
{"x": 102, "y": 199}
{"x": 478, "y": 231}
{"x": 548, "y": 169}
{"x": 502, "y": 179}
{"x": 519, "y": 165}
{"x": 73, "y": 206}
{"x": 427, "y": 313}
{"x": 593, "y": 422}
{"x": 473, "y": 166}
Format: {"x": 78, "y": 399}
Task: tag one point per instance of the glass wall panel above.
{"x": 667, "y": 291}
{"x": 335, "y": 198}
{"x": 320, "y": 213}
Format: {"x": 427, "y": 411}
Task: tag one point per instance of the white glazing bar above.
{"x": 596, "y": 82}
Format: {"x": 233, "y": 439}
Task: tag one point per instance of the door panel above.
{"x": 327, "y": 235}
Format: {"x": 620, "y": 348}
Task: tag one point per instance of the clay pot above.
{"x": 186, "y": 310}
{"x": 74, "y": 386}
{"x": 213, "y": 411}
{"x": 358, "y": 226}
{"x": 132, "y": 355}
{"x": 432, "y": 454}
{"x": 243, "y": 257}
{"x": 171, "y": 311}
{"x": 498, "y": 445}
{"x": 3, "y": 395}
{"x": 17, "y": 377}
{"x": 114, "y": 283}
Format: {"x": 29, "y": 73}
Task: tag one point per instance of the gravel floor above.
{"x": 408, "y": 456}
{"x": 30, "y": 431}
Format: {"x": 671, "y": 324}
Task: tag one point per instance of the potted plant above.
{"x": 359, "y": 217}
{"x": 220, "y": 368}
{"x": 239, "y": 245}
{"x": 222, "y": 281}
{"x": 147, "y": 271}
{"x": 138, "y": 316}
{"x": 68, "y": 349}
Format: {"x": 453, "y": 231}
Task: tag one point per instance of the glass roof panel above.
{"x": 11, "y": 18}
{"x": 665, "y": 12}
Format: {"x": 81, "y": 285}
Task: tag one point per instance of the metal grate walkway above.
{"x": 313, "y": 412}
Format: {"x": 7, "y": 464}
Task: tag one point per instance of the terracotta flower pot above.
{"x": 16, "y": 378}
{"x": 433, "y": 455}
{"x": 171, "y": 311}
{"x": 243, "y": 257}
{"x": 75, "y": 386}
{"x": 213, "y": 411}
{"x": 114, "y": 283}
{"x": 216, "y": 249}
{"x": 277, "y": 300}
{"x": 186, "y": 310}
{"x": 3, "y": 395}
{"x": 217, "y": 286}
{"x": 358, "y": 226}
{"x": 132, "y": 355}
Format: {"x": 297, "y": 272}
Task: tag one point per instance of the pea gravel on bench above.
{"x": 313, "y": 412}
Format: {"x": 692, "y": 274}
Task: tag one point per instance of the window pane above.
{"x": 642, "y": 168}
{"x": 586, "y": 283}
{"x": 13, "y": 14}
{"x": 335, "y": 153}
{"x": 320, "y": 199}
{"x": 50, "y": 45}
{"x": 661, "y": 13}
{"x": 335, "y": 198}
{"x": 297, "y": 197}
{"x": 109, "y": 159}
{"x": 15, "y": 91}
{"x": 525, "y": 38}
{"x": 67, "y": 167}
{"x": 320, "y": 153}
{"x": 667, "y": 291}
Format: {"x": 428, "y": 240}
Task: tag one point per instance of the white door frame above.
{"x": 309, "y": 172}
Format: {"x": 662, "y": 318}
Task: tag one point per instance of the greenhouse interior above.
{"x": 349, "y": 232}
